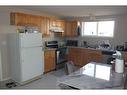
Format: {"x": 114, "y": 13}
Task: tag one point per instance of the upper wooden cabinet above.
{"x": 57, "y": 23}
{"x": 22, "y": 19}
{"x": 71, "y": 29}
{"x": 45, "y": 26}
{"x": 44, "y": 23}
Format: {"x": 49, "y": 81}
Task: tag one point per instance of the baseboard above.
{"x": 31, "y": 80}
{"x": 5, "y": 79}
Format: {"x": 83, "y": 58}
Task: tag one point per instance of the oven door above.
{"x": 57, "y": 56}
{"x": 61, "y": 55}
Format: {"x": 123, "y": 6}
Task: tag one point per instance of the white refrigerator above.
{"x": 26, "y": 56}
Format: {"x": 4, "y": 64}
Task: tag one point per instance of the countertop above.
{"x": 104, "y": 51}
{"x": 95, "y": 76}
{"x": 80, "y": 47}
{"x": 45, "y": 49}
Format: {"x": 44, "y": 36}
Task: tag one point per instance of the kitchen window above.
{"x": 98, "y": 28}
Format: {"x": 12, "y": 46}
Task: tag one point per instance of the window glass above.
{"x": 106, "y": 28}
{"x": 90, "y": 28}
{"x": 99, "y": 28}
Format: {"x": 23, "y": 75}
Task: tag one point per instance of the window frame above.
{"x": 82, "y": 29}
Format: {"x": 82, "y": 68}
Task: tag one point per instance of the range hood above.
{"x": 56, "y": 29}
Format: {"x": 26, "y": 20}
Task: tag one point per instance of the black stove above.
{"x": 51, "y": 44}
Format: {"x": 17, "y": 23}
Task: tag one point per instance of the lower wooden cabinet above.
{"x": 125, "y": 57}
{"x": 77, "y": 56}
{"x": 94, "y": 56}
{"x": 49, "y": 60}
{"x": 82, "y": 56}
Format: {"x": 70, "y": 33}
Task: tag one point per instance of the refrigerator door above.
{"x": 32, "y": 63}
{"x": 30, "y": 39}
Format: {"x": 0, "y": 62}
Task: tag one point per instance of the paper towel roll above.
{"x": 119, "y": 66}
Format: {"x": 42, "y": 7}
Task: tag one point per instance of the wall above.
{"x": 120, "y": 32}
{"x": 6, "y": 28}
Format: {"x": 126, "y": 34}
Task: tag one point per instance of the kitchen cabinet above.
{"x": 74, "y": 25}
{"x": 58, "y": 23}
{"x": 77, "y": 55}
{"x": 71, "y": 29}
{"x": 43, "y": 23}
{"x": 21, "y": 19}
{"x": 61, "y": 23}
{"x": 125, "y": 57}
{"x": 94, "y": 56}
{"x": 82, "y": 56}
{"x": 47, "y": 23}
{"x": 49, "y": 60}
{"x": 45, "y": 26}
{"x": 52, "y": 22}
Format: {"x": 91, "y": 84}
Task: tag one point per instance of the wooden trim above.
{"x": 31, "y": 80}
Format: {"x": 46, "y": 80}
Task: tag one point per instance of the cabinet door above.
{"x": 94, "y": 56}
{"x": 125, "y": 56}
{"x": 67, "y": 32}
{"x": 45, "y": 25}
{"x": 31, "y": 20}
{"x": 81, "y": 57}
{"x": 74, "y": 28}
{"x": 71, "y": 29}
{"x": 71, "y": 54}
{"x": 49, "y": 57}
{"x": 53, "y": 22}
{"x": 22, "y": 19}
{"x": 61, "y": 24}
{"x": 77, "y": 56}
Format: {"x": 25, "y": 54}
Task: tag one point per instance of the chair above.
{"x": 70, "y": 67}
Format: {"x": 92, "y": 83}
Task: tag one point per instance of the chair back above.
{"x": 69, "y": 67}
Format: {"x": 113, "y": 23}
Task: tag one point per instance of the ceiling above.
{"x": 79, "y": 11}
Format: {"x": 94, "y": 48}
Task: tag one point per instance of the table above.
{"x": 94, "y": 76}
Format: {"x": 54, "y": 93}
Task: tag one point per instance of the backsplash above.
{"x": 92, "y": 41}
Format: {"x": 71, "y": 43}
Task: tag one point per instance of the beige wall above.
{"x": 6, "y": 28}
{"x": 120, "y": 32}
